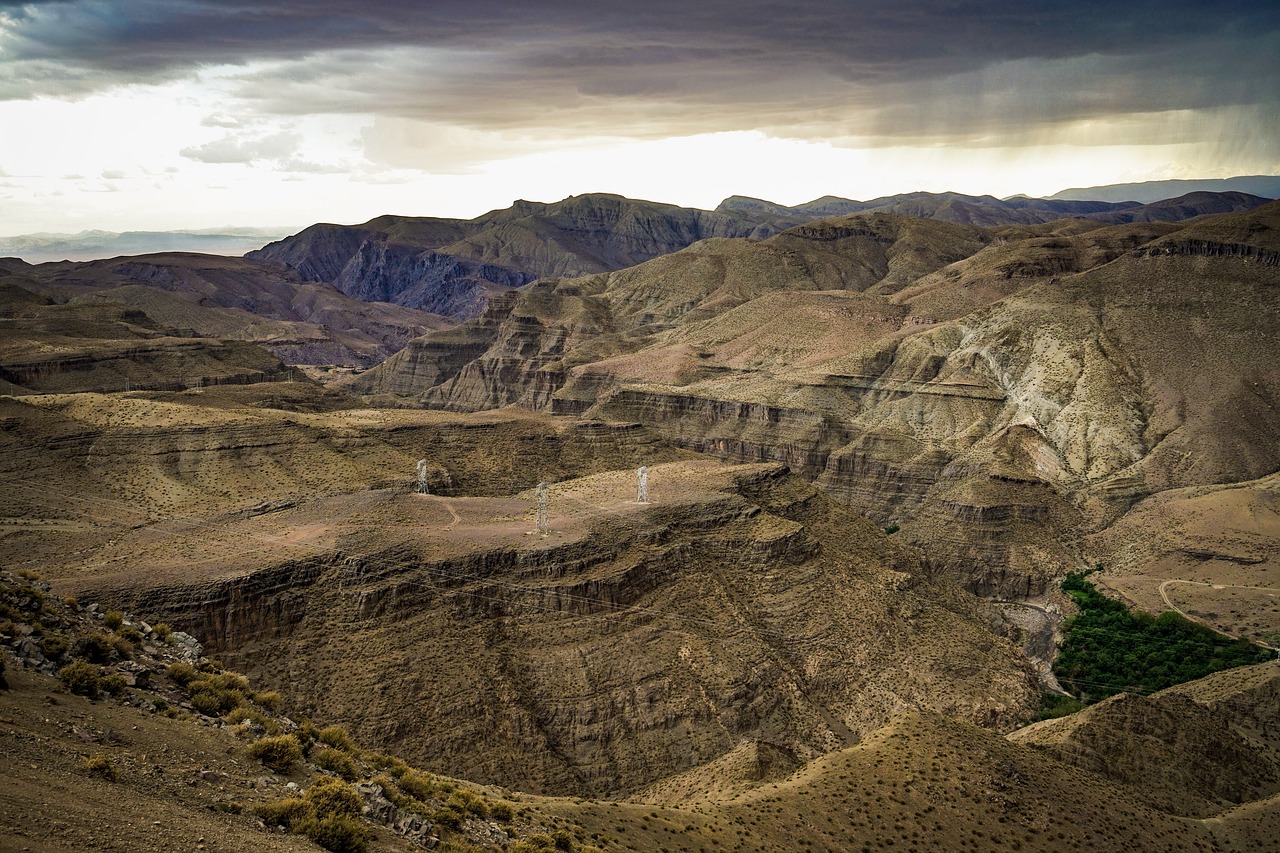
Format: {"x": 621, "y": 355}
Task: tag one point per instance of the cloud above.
{"x": 240, "y": 149}
{"x": 222, "y": 120}
{"x": 509, "y": 74}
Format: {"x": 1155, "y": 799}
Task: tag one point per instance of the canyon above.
{"x": 876, "y": 441}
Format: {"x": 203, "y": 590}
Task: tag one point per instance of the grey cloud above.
{"x": 237, "y": 149}
{"x": 655, "y": 67}
{"x": 220, "y": 120}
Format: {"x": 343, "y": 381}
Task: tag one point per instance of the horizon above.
{"x": 139, "y": 115}
{"x": 227, "y": 229}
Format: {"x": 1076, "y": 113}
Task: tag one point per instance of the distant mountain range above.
{"x": 755, "y": 218}
{"x": 454, "y": 267}
{"x": 93, "y": 245}
{"x": 1267, "y": 186}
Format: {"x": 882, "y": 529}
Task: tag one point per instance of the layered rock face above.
{"x": 995, "y": 392}
{"x": 630, "y": 643}
{"x": 202, "y": 296}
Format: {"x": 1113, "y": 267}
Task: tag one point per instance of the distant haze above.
{"x": 1267, "y": 186}
{"x": 91, "y": 245}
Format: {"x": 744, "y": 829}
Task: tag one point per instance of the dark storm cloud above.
{"x": 659, "y": 67}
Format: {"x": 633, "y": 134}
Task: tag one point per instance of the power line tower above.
{"x": 544, "y": 522}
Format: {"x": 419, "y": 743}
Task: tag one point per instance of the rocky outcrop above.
{"x": 158, "y": 364}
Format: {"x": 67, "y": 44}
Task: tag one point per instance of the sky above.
{"x": 166, "y": 114}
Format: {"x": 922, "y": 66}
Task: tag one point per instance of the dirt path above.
{"x": 1164, "y": 595}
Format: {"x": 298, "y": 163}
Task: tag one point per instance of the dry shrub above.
{"x": 99, "y": 767}
{"x": 337, "y": 737}
{"x": 278, "y": 752}
{"x": 81, "y": 678}
{"x": 335, "y": 761}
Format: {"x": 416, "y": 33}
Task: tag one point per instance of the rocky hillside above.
{"x": 998, "y": 392}
{"x": 119, "y": 733}
{"x": 293, "y": 545}
{"x": 205, "y": 296}
{"x": 454, "y": 267}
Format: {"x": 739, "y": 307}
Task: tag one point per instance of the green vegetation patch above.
{"x": 1109, "y": 649}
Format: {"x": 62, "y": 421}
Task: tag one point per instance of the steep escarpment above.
{"x": 996, "y": 393}
{"x": 137, "y": 456}
{"x": 631, "y": 642}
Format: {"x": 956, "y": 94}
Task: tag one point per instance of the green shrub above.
{"x": 390, "y": 763}
{"x": 162, "y": 631}
{"x": 278, "y": 752}
{"x": 120, "y": 647}
{"x": 501, "y": 812}
{"x": 335, "y": 761}
{"x": 214, "y": 695}
{"x": 892, "y": 529}
{"x": 129, "y": 633}
{"x": 244, "y": 713}
{"x": 80, "y": 678}
{"x": 328, "y": 814}
{"x": 1055, "y": 705}
{"x": 227, "y": 680}
{"x": 210, "y": 703}
{"x": 448, "y": 817}
{"x": 113, "y": 619}
{"x": 306, "y": 733}
{"x": 99, "y": 766}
